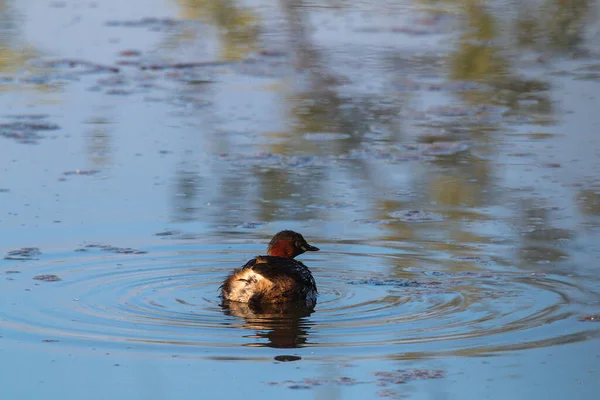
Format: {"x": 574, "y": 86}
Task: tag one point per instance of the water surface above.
{"x": 443, "y": 156}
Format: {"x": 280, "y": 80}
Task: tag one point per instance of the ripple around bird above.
{"x": 166, "y": 301}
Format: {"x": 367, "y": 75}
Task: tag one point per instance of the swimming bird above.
{"x": 276, "y": 277}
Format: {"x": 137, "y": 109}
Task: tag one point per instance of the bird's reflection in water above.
{"x": 284, "y": 325}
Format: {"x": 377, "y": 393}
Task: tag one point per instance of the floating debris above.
{"x": 451, "y": 111}
{"x": 116, "y": 80}
{"x": 118, "y": 92}
{"x": 25, "y": 253}
{"x": 116, "y": 250}
{"x": 391, "y": 394}
{"x": 123, "y": 250}
{"x": 469, "y": 274}
{"x": 168, "y": 233}
{"x": 416, "y": 216}
{"x": 80, "y": 66}
{"x": 185, "y": 303}
{"x": 191, "y": 77}
{"x": 149, "y": 22}
{"x": 552, "y": 165}
{"x": 81, "y": 172}
{"x": 251, "y": 225}
{"x": 404, "y": 154}
{"x": 130, "y": 53}
{"x": 373, "y": 221}
{"x": 273, "y": 52}
{"x": 286, "y": 358}
{"x": 336, "y": 205}
{"x": 26, "y": 131}
{"x": 50, "y": 340}
{"x": 47, "y": 278}
{"x": 32, "y": 117}
{"x": 129, "y": 63}
{"x": 273, "y": 160}
{"x": 299, "y": 387}
{"x": 401, "y": 376}
{"x": 438, "y": 148}
{"x": 590, "y": 318}
{"x": 395, "y": 282}
{"x": 309, "y": 383}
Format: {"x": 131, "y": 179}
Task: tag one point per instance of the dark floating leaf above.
{"x": 287, "y": 358}
{"x": 551, "y": 165}
{"x": 25, "y": 253}
{"x": 47, "y": 278}
{"x": 168, "y": 233}
{"x": 80, "y": 172}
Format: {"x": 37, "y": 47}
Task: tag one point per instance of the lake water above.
{"x": 444, "y": 156}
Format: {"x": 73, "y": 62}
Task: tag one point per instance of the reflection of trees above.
{"x": 457, "y": 186}
{"x": 320, "y": 105}
{"x": 99, "y": 144}
{"x": 589, "y": 202}
{"x": 547, "y": 25}
{"x": 285, "y": 191}
{"x": 479, "y": 58}
{"x": 13, "y": 56}
{"x": 280, "y": 189}
{"x": 540, "y": 240}
{"x": 186, "y": 195}
{"x": 557, "y": 25}
{"x": 237, "y": 26}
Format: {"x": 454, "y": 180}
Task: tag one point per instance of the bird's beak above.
{"x": 308, "y": 247}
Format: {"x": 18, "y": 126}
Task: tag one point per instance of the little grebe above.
{"x": 276, "y": 277}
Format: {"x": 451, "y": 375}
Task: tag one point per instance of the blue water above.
{"x": 451, "y": 183}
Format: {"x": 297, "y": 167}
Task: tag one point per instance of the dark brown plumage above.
{"x": 276, "y": 277}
